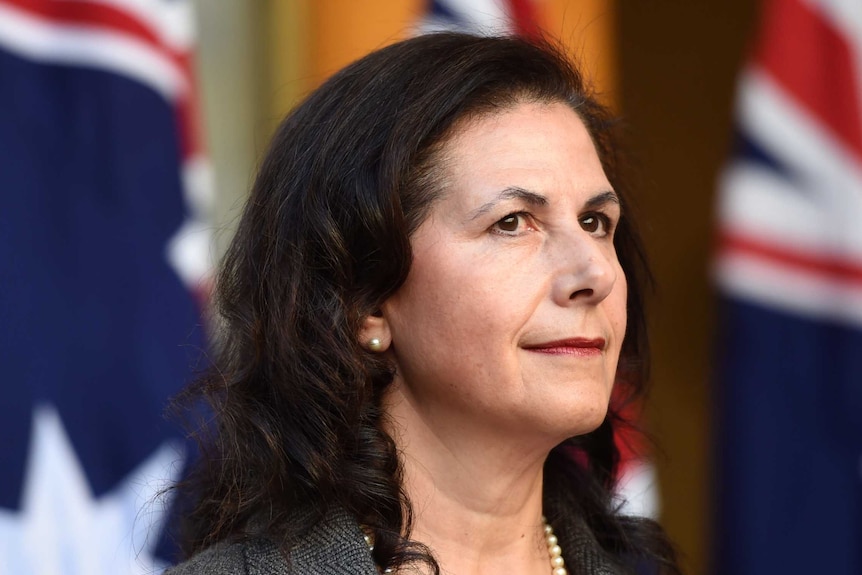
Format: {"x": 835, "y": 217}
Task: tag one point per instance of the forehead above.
{"x": 539, "y": 146}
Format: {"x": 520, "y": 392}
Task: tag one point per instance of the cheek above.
{"x": 424, "y": 310}
{"x": 621, "y": 304}
{"x": 617, "y": 309}
{"x": 474, "y": 288}
{"x": 455, "y": 319}
{"x": 446, "y": 299}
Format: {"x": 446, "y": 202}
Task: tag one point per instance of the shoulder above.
{"x": 586, "y": 554}
{"x": 217, "y": 560}
{"x": 334, "y": 546}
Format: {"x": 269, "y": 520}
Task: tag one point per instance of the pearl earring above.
{"x": 374, "y": 344}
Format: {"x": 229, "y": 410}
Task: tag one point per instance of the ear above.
{"x": 374, "y": 334}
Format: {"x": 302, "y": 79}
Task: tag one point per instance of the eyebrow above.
{"x": 534, "y": 199}
{"x": 608, "y": 197}
{"x": 510, "y": 193}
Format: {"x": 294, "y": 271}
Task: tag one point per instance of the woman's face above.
{"x": 514, "y": 310}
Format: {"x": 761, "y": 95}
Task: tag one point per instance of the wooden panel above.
{"x": 588, "y": 30}
{"x": 285, "y": 51}
{"x": 679, "y": 62}
{"x": 341, "y": 31}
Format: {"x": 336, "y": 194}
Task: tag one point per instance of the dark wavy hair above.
{"x": 324, "y": 240}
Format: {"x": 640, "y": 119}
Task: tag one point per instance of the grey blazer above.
{"x": 336, "y": 546}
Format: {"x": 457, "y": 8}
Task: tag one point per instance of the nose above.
{"x": 585, "y": 270}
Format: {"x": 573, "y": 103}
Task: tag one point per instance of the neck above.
{"x": 476, "y": 495}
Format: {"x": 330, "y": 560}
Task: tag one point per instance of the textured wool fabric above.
{"x": 335, "y": 546}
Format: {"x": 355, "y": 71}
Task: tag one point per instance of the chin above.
{"x": 585, "y": 418}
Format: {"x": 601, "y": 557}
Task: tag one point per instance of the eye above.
{"x": 596, "y": 223}
{"x": 512, "y": 224}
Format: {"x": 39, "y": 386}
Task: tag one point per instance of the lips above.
{"x": 574, "y": 346}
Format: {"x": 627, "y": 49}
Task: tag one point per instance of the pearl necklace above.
{"x": 558, "y": 566}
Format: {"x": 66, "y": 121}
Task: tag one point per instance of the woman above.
{"x": 434, "y": 287}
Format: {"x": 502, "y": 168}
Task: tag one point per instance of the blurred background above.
{"x": 129, "y": 135}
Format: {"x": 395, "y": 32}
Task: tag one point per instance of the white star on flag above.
{"x": 62, "y": 528}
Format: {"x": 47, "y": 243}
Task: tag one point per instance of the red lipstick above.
{"x": 574, "y": 346}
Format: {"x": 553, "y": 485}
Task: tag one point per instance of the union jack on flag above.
{"x": 481, "y": 16}
{"x": 789, "y": 270}
{"x": 101, "y": 246}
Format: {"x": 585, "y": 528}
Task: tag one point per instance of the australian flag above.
{"x": 101, "y": 182}
{"x": 481, "y": 17}
{"x": 789, "y": 270}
